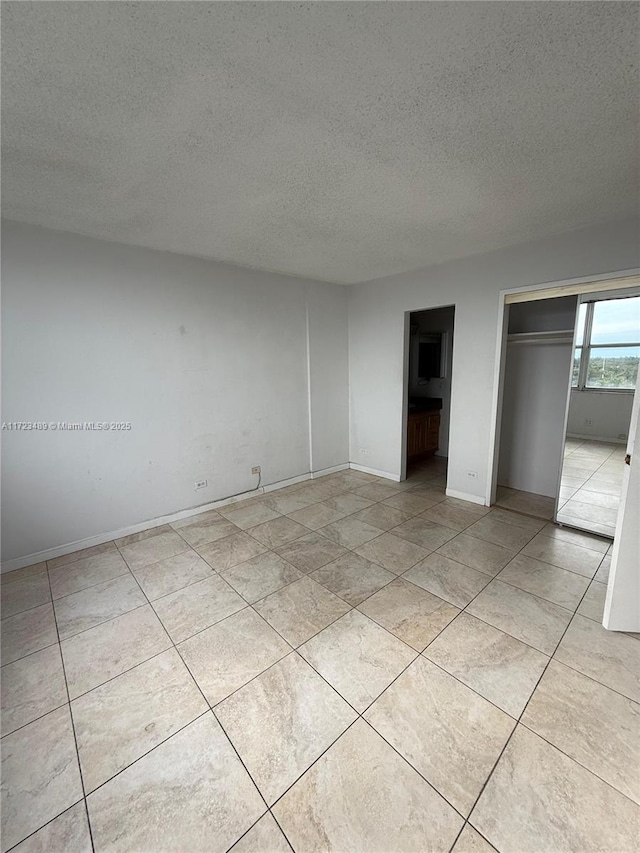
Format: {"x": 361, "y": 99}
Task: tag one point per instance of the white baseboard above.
{"x": 273, "y": 487}
{"x": 465, "y": 496}
{"x": 597, "y": 438}
{"x": 375, "y": 472}
{"x": 101, "y": 538}
{"x": 334, "y": 470}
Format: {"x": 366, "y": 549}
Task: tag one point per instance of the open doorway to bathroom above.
{"x": 428, "y": 391}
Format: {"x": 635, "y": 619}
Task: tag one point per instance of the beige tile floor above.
{"x": 526, "y": 502}
{"x": 343, "y": 665}
{"x": 590, "y": 485}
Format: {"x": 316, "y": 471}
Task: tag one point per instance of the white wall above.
{"x": 543, "y": 315}
{"x": 534, "y": 405}
{"x": 376, "y": 339}
{"x": 609, "y": 413}
{"x": 329, "y": 375}
{"x": 436, "y": 321}
{"x": 536, "y": 384}
{"x": 210, "y": 363}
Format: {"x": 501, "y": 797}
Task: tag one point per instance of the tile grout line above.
{"x": 518, "y": 721}
{"x": 498, "y": 579}
{"x": 51, "y": 601}
{"x": 254, "y": 677}
{"x": 292, "y": 648}
{"x": 35, "y": 719}
{"x": 307, "y": 574}
{"x": 352, "y": 607}
{"x": 72, "y": 721}
{"x": 576, "y": 761}
{"x": 30, "y": 654}
{"x": 77, "y": 559}
{"x": 209, "y": 710}
{"x": 94, "y": 585}
{"x": 359, "y": 715}
{"x": 462, "y": 829}
{"x": 254, "y": 824}
{"x": 158, "y": 532}
{"x": 50, "y": 821}
{"x": 250, "y": 605}
{"x": 135, "y": 666}
{"x": 583, "y": 488}
{"x": 457, "y": 532}
{"x": 148, "y": 752}
{"x": 103, "y": 622}
{"x": 86, "y": 692}
{"x": 349, "y": 489}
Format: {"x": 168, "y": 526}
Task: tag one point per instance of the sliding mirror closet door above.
{"x": 605, "y": 367}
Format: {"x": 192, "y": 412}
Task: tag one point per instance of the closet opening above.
{"x": 536, "y": 378}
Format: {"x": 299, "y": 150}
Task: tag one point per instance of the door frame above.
{"x": 622, "y": 602}
{"x": 405, "y": 394}
{"x": 405, "y": 376}
{"x": 615, "y": 280}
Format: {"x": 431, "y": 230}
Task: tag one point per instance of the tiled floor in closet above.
{"x": 347, "y": 664}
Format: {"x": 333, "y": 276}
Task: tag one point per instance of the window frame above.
{"x": 586, "y": 347}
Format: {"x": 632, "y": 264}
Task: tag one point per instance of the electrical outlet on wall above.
{"x": 473, "y": 475}
{"x": 256, "y": 469}
{"x": 200, "y": 484}
{"x": 588, "y": 422}
{"x": 365, "y": 452}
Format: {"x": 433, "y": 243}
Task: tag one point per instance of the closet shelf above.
{"x": 560, "y": 336}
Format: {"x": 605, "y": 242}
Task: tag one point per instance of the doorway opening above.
{"x": 567, "y": 393}
{"x": 613, "y": 470}
{"x": 536, "y": 378}
{"x": 428, "y": 391}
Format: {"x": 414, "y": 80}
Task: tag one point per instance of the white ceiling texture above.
{"x": 340, "y": 141}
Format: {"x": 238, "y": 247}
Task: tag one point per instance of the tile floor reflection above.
{"x": 590, "y": 485}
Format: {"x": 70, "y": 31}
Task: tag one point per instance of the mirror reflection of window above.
{"x": 607, "y": 349}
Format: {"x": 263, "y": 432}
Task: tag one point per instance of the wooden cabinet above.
{"x": 423, "y": 429}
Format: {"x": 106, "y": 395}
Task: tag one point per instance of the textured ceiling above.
{"x": 338, "y": 141}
